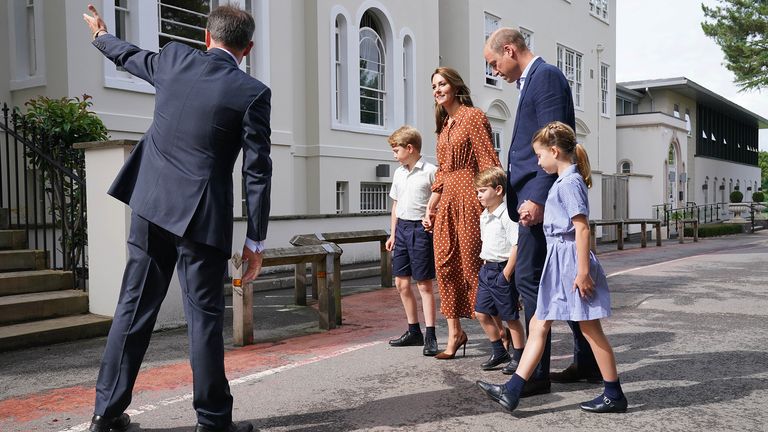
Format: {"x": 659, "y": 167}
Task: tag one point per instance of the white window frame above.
{"x": 26, "y": 45}
{"x": 342, "y": 197}
{"x": 491, "y": 23}
{"x": 496, "y": 139}
{"x": 599, "y": 9}
{"x": 339, "y": 68}
{"x": 605, "y": 93}
{"x": 409, "y": 82}
{"x": 570, "y": 62}
{"x": 528, "y": 36}
{"x": 142, "y": 28}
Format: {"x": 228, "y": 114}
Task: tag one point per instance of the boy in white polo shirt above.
{"x": 410, "y": 244}
{"x": 497, "y": 298}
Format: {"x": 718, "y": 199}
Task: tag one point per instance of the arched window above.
{"x": 340, "y": 70}
{"x": 625, "y": 167}
{"x": 372, "y": 71}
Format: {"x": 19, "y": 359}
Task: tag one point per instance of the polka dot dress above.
{"x": 463, "y": 149}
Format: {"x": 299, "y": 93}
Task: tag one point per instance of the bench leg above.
{"x": 242, "y": 315}
{"x": 314, "y": 285}
{"x": 658, "y": 234}
{"x": 386, "y": 266}
{"x": 696, "y": 231}
{"x": 681, "y": 233}
{"x": 300, "y": 284}
{"x": 336, "y": 284}
{"x": 592, "y": 238}
{"x": 643, "y": 235}
{"x": 620, "y": 235}
{"x": 325, "y": 303}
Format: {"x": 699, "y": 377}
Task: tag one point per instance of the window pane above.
{"x": 183, "y": 21}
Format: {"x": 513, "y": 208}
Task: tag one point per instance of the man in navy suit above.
{"x": 545, "y": 96}
{"x": 178, "y": 183}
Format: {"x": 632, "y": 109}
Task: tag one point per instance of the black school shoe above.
{"x": 572, "y": 374}
{"x": 499, "y": 394}
{"x": 602, "y": 404}
{"x": 495, "y": 360}
{"x": 408, "y": 339}
{"x": 430, "y": 347}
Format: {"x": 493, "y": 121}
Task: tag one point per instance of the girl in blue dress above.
{"x": 573, "y": 285}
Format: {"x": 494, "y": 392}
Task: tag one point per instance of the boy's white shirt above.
{"x": 412, "y": 189}
{"x": 498, "y": 233}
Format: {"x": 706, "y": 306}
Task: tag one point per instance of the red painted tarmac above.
{"x": 370, "y": 316}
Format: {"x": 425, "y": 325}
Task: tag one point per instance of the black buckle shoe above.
{"x": 242, "y": 427}
{"x": 602, "y": 404}
{"x": 107, "y": 424}
{"x": 511, "y": 367}
{"x": 572, "y": 374}
{"x": 408, "y": 339}
{"x": 430, "y": 346}
{"x": 498, "y": 394}
{"x": 495, "y": 360}
{"x": 532, "y": 388}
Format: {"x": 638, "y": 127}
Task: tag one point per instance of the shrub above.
{"x": 736, "y": 196}
{"x": 713, "y": 230}
{"x": 758, "y": 197}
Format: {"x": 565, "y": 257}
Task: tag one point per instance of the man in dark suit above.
{"x": 545, "y": 96}
{"x": 178, "y": 183}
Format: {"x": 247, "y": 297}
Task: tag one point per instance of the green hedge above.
{"x": 714, "y": 230}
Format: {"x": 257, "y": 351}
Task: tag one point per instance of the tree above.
{"x": 740, "y": 27}
{"x": 762, "y": 160}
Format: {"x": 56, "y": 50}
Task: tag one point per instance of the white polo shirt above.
{"x": 498, "y": 233}
{"x": 412, "y": 189}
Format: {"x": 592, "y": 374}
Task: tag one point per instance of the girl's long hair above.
{"x": 462, "y": 94}
{"x": 561, "y": 135}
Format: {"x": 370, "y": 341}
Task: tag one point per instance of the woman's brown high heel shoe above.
{"x": 462, "y": 343}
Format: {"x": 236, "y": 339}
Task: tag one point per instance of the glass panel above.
{"x": 183, "y": 21}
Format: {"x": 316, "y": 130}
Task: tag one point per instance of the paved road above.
{"x": 689, "y": 329}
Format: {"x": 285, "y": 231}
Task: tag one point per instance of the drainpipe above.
{"x": 599, "y": 48}
{"x": 648, "y": 92}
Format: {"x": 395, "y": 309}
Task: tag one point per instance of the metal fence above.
{"x": 673, "y": 217}
{"x": 46, "y": 199}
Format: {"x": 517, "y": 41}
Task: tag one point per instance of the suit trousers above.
{"x": 531, "y": 253}
{"x": 152, "y": 254}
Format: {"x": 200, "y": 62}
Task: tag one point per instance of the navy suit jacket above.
{"x": 179, "y": 176}
{"x": 546, "y": 97}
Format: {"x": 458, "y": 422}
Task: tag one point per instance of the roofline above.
{"x": 762, "y": 123}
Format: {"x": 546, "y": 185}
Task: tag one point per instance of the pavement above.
{"x": 688, "y": 328}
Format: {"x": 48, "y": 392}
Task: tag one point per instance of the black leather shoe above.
{"x": 602, "y": 404}
{"x": 408, "y": 339}
{"x": 511, "y": 367}
{"x": 242, "y": 427}
{"x": 495, "y": 360}
{"x": 430, "y": 347}
{"x": 572, "y": 374}
{"x": 107, "y": 424}
{"x": 498, "y": 394}
{"x": 532, "y": 388}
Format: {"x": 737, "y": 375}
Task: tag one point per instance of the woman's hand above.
{"x": 585, "y": 285}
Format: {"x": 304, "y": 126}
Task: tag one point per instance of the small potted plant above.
{"x": 737, "y": 207}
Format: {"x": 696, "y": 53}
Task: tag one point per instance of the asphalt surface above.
{"x": 688, "y": 328}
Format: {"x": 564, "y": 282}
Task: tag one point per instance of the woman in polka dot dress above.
{"x": 464, "y": 148}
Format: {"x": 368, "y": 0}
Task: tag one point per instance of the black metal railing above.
{"x": 705, "y": 213}
{"x": 46, "y": 199}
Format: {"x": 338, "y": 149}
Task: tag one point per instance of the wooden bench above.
{"x": 341, "y": 237}
{"x": 618, "y": 223}
{"x": 656, "y": 223}
{"x": 322, "y": 256}
{"x": 681, "y": 232}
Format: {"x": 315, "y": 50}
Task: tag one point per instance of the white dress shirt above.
{"x": 498, "y": 233}
{"x": 412, "y": 189}
{"x": 521, "y": 81}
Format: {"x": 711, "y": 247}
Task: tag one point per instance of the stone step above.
{"x": 5, "y": 218}
{"x": 52, "y": 331}
{"x": 36, "y": 306}
{"x": 25, "y": 259}
{"x": 13, "y": 239}
{"x": 31, "y": 281}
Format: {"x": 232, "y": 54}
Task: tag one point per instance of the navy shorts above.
{"x": 495, "y": 295}
{"x": 413, "y": 254}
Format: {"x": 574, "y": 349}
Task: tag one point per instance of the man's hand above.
{"x": 94, "y": 21}
{"x": 390, "y": 243}
{"x": 253, "y": 260}
{"x": 531, "y": 213}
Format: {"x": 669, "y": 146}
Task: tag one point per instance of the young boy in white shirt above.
{"x": 410, "y": 244}
{"x": 497, "y": 298}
